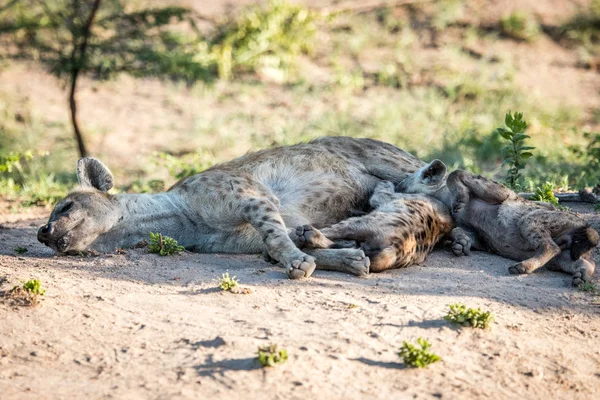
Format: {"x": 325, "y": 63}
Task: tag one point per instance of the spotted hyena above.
{"x": 489, "y": 216}
{"x": 401, "y": 230}
{"x": 246, "y": 205}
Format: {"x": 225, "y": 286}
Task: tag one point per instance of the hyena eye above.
{"x": 66, "y": 207}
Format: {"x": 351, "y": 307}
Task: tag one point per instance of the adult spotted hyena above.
{"x": 241, "y": 206}
{"x": 401, "y": 230}
{"x": 489, "y": 216}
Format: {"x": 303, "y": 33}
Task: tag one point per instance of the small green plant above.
{"x": 34, "y": 286}
{"x": 590, "y": 287}
{"x": 520, "y": 26}
{"x": 461, "y": 315}
{"x": 597, "y": 207}
{"x": 26, "y": 294}
{"x": 163, "y": 245}
{"x": 417, "y": 357}
{"x": 21, "y": 250}
{"x": 545, "y": 193}
{"x": 515, "y": 153}
{"x": 269, "y": 356}
{"x": 227, "y": 282}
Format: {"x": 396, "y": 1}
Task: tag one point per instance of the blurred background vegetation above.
{"x": 163, "y": 89}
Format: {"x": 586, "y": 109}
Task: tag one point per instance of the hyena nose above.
{"x": 44, "y": 233}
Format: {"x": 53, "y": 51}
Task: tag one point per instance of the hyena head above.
{"x": 428, "y": 180}
{"x": 86, "y": 213}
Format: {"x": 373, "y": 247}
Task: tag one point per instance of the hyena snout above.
{"x": 45, "y": 233}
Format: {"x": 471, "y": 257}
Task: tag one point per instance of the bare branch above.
{"x": 77, "y": 63}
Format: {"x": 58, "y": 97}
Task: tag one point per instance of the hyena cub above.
{"x": 401, "y": 230}
{"x": 489, "y": 216}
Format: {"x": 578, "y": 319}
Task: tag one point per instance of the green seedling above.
{"x": 545, "y": 193}
{"x": 21, "y": 250}
{"x": 34, "y": 286}
{"x": 228, "y": 283}
{"x": 163, "y": 245}
{"x": 597, "y": 207}
{"x": 27, "y": 294}
{"x": 417, "y": 357}
{"x": 461, "y": 315}
{"x": 515, "y": 153}
{"x": 269, "y": 356}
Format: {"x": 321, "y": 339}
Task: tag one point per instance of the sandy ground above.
{"x": 142, "y": 326}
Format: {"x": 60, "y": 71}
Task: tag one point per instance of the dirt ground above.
{"x": 138, "y": 325}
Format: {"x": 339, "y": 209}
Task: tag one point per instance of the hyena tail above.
{"x": 583, "y": 240}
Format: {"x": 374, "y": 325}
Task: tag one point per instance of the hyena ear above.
{"x": 92, "y": 173}
{"x": 433, "y": 173}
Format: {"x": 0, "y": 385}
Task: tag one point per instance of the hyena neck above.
{"x": 139, "y": 214}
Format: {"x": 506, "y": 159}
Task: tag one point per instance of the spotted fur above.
{"x": 242, "y": 206}
{"x": 401, "y": 230}
{"x": 489, "y": 216}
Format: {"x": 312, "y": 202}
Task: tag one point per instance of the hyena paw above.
{"x": 462, "y": 246}
{"x": 583, "y": 273}
{"x": 518, "y": 268}
{"x": 385, "y": 186}
{"x": 267, "y": 257}
{"x": 458, "y": 207}
{"x": 300, "y": 266}
{"x": 356, "y": 262}
{"x": 308, "y": 236}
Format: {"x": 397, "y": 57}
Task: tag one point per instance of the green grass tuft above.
{"x": 418, "y": 357}
{"x": 20, "y": 250}
{"x": 461, "y": 315}
{"x": 270, "y": 356}
{"x": 163, "y": 245}
{"x": 520, "y": 26}
{"x": 589, "y": 287}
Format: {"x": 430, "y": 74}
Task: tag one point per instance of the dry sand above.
{"x": 138, "y": 325}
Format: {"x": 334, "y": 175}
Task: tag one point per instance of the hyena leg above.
{"x": 262, "y": 214}
{"x": 463, "y": 186}
{"x": 350, "y": 261}
{"x": 359, "y": 229}
{"x": 307, "y": 236}
{"x": 536, "y": 236}
{"x": 581, "y": 269}
{"x": 463, "y": 241}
